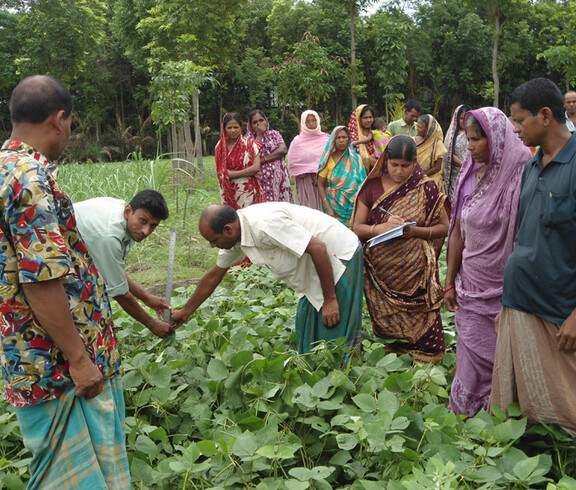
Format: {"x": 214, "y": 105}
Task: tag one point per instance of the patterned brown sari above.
{"x": 401, "y": 281}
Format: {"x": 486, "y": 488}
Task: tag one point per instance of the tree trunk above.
{"x": 188, "y": 162}
{"x": 495, "y": 77}
{"x": 353, "y": 54}
{"x": 198, "y": 135}
{"x": 174, "y": 149}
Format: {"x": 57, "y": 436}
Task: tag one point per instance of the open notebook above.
{"x": 390, "y": 234}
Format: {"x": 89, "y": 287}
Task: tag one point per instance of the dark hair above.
{"x": 378, "y": 123}
{"x": 151, "y": 201}
{"x": 231, "y": 116}
{"x": 366, "y": 109}
{"x": 412, "y": 104}
{"x": 473, "y": 123}
{"x": 36, "y": 98}
{"x": 223, "y": 216}
{"x": 538, "y": 93}
{"x": 402, "y": 147}
{"x": 254, "y": 113}
{"x": 425, "y": 118}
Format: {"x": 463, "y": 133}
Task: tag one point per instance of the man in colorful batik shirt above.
{"x": 60, "y": 358}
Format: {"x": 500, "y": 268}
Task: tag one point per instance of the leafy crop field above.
{"x": 227, "y": 403}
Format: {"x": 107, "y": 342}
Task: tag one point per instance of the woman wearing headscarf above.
{"x": 304, "y": 157}
{"x": 401, "y": 280}
{"x": 481, "y": 236}
{"x": 273, "y": 176}
{"x": 340, "y": 175}
{"x": 456, "y": 144}
{"x": 430, "y": 148}
{"x": 237, "y": 165}
{"x": 368, "y": 142}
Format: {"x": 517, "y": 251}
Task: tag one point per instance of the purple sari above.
{"x": 488, "y": 225}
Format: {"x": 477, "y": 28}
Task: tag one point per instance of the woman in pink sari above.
{"x": 304, "y": 156}
{"x": 481, "y": 236}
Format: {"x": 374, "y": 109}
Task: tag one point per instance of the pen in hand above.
{"x": 384, "y": 211}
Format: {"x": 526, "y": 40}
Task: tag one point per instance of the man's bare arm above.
{"x": 330, "y": 309}
{"x": 205, "y": 288}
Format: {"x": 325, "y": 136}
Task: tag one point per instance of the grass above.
{"x": 148, "y": 260}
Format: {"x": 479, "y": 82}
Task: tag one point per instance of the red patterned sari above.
{"x": 243, "y": 191}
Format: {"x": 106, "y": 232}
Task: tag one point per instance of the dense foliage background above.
{"x": 142, "y": 70}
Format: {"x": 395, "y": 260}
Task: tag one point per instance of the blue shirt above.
{"x": 540, "y": 275}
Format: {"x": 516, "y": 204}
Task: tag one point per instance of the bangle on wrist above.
{"x": 429, "y": 233}
{"x": 372, "y": 229}
{"x": 449, "y": 288}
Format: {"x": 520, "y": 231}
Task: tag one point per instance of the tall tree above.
{"x": 498, "y": 13}
{"x": 559, "y": 38}
{"x": 201, "y": 32}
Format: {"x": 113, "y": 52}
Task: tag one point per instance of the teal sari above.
{"x": 344, "y": 181}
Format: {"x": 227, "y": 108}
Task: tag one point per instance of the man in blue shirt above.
{"x": 535, "y": 361}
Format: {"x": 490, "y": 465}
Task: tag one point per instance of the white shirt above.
{"x": 276, "y": 234}
{"x": 103, "y": 227}
{"x": 569, "y": 124}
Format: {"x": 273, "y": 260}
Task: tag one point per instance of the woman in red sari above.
{"x": 238, "y": 164}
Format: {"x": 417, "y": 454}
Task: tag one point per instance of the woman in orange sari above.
{"x": 430, "y": 148}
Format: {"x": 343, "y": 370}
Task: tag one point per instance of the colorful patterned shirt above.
{"x": 39, "y": 241}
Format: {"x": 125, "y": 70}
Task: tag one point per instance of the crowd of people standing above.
{"x": 374, "y": 211}
{"x": 405, "y": 178}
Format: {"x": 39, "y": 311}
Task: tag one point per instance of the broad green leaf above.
{"x": 303, "y": 396}
{"x": 191, "y": 454}
{"x": 296, "y": 485}
{"x": 365, "y": 402}
{"x": 340, "y": 458}
{"x": 131, "y": 379}
{"x": 507, "y": 431}
{"x": 11, "y": 481}
{"x": 279, "y": 452}
{"x": 347, "y": 441}
{"x": 387, "y": 402}
{"x": 486, "y": 474}
{"x": 160, "y": 376}
{"x": 523, "y": 469}
{"x": 142, "y": 471}
{"x": 241, "y": 359}
{"x": 208, "y": 448}
{"x": 217, "y": 370}
{"x": 146, "y": 445}
{"x": 301, "y": 474}
{"x": 245, "y": 445}
{"x": 321, "y": 472}
{"x": 437, "y": 376}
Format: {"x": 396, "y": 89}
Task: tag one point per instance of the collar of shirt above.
{"x": 21, "y": 147}
{"x": 563, "y": 156}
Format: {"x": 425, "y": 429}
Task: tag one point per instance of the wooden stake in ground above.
{"x": 170, "y": 278}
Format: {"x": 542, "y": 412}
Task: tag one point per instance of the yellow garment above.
{"x": 431, "y": 149}
{"x": 326, "y": 172}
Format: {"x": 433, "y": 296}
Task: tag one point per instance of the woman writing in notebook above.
{"x": 401, "y": 280}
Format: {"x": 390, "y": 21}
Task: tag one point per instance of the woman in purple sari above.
{"x": 273, "y": 176}
{"x": 480, "y": 239}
